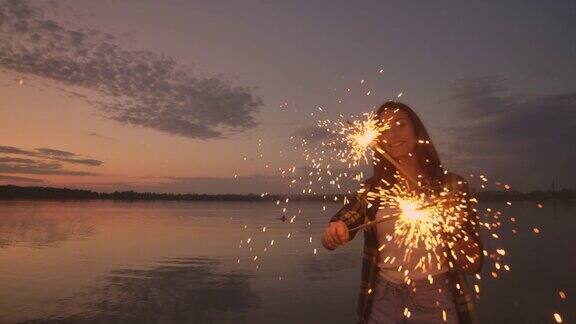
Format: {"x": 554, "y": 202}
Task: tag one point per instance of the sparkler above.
{"x": 423, "y": 219}
{"x": 360, "y": 137}
{"x": 410, "y": 207}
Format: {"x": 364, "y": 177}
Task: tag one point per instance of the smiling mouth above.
{"x": 396, "y": 144}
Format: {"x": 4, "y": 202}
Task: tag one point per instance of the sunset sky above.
{"x": 170, "y": 96}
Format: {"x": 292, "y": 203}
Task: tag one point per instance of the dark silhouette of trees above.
{"x": 10, "y": 192}
{"x": 50, "y": 193}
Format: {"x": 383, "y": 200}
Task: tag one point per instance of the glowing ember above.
{"x": 557, "y": 318}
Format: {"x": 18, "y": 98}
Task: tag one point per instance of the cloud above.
{"x": 66, "y": 157}
{"x": 42, "y": 161}
{"x": 15, "y": 150}
{"x": 312, "y": 133}
{"x": 19, "y": 179}
{"x": 56, "y": 153}
{"x": 527, "y": 139}
{"x": 140, "y": 88}
{"x": 482, "y": 96}
{"x": 41, "y": 168}
{"x": 50, "y": 154}
{"x": 100, "y": 136}
{"x": 7, "y": 159}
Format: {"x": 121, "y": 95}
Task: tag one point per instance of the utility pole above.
{"x": 554, "y": 197}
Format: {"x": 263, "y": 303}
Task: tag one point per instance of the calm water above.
{"x": 164, "y": 262}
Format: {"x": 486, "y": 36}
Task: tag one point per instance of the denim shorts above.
{"x": 419, "y": 303}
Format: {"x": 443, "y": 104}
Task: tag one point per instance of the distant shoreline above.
{"x": 12, "y": 192}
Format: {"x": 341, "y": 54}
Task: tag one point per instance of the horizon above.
{"x": 271, "y": 194}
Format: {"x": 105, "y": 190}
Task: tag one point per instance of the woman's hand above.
{"x": 334, "y": 235}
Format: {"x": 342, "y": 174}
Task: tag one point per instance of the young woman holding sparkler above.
{"x": 420, "y": 231}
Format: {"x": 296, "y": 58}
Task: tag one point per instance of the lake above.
{"x": 190, "y": 262}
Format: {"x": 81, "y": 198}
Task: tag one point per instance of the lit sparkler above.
{"x": 360, "y": 137}
{"x": 423, "y": 220}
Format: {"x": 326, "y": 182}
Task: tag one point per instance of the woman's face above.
{"x": 400, "y": 139}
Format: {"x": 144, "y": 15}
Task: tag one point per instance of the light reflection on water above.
{"x": 166, "y": 262}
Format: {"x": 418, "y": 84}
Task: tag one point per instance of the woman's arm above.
{"x": 350, "y": 216}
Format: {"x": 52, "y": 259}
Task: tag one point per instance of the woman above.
{"x": 438, "y": 293}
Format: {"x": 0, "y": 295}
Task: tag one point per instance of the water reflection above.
{"x": 330, "y": 266}
{"x": 179, "y": 290}
{"x": 112, "y": 262}
{"x": 39, "y": 231}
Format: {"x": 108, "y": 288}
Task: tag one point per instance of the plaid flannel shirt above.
{"x": 359, "y": 211}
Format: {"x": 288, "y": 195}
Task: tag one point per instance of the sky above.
{"x": 203, "y": 96}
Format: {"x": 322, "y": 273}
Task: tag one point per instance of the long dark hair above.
{"x": 425, "y": 151}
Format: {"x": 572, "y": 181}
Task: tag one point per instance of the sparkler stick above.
{"x": 387, "y": 217}
{"x": 397, "y": 166}
{"x": 405, "y": 175}
{"x": 374, "y": 222}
